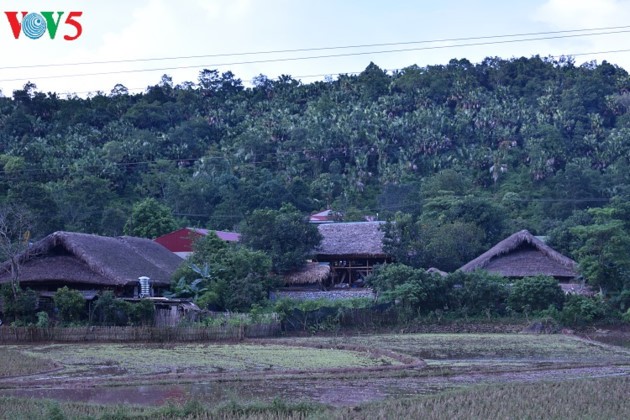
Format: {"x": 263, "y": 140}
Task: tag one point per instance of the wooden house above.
{"x": 524, "y": 255}
{"x": 90, "y": 263}
{"x": 352, "y": 250}
{"x": 180, "y": 241}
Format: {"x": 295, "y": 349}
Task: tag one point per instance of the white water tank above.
{"x": 145, "y": 286}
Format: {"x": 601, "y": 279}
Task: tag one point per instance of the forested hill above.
{"x": 502, "y": 145}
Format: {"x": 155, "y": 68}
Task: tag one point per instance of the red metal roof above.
{"x": 181, "y": 240}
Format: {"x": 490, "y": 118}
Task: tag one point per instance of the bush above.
{"x": 477, "y": 293}
{"x": 415, "y": 289}
{"x": 621, "y": 301}
{"x": 70, "y": 304}
{"x": 579, "y": 310}
{"x": 111, "y": 311}
{"x": 42, "y": 320}
{"x": 535, "y": 294}
{"x": 142, "y": 313}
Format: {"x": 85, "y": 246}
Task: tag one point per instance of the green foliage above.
{"x": 150, "y": 219}
{"x": 110, "y": 311}
{"x": 489, "y": 148}
{"x": 55, "y": 412}
{"x": 580, "y": 310}
{"x": 141, "y": 313}
{"x": 430, "y": 243}
{"x": 42, "y": 320}
{"x": 70, "y": 304}
{"x": 604, "y": 254}
{"x": 19, "y": 305}
{"x": 415, "y": 289}
{"x": 283, "y": 234}
{"x": 535, "y": 294}
{"x": 477, "y": 293}
{"x": 223, "y": 276}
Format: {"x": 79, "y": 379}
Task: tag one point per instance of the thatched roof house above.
{"x": 523, "y": 255}
{"x": 85, "y": 261}
{"x": 352, "y": 249}
{"x": 311, "y": 274}
{"x": 357, "y": 239}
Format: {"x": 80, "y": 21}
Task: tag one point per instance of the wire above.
{"x": 315, "y": 57}
{"x": 384, "y": 44}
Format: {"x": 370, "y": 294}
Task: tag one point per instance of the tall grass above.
{"x": 604, "y": 398}
{"x": 581, "y": 399}
{"x": 19, "y": 408}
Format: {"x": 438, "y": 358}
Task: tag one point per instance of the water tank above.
{"x": 145, "y": 286}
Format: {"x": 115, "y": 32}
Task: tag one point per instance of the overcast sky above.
{"x": 115, "y": 30}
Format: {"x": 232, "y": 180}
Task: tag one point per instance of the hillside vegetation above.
{"x": 468, "y": 151}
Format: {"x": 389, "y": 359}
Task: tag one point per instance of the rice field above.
{"x": 151, "y": 359}
{"x": 365, "y": 376}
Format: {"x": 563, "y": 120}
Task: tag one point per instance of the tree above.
{"x": 19, "y": 305}
{"x": 283, "y": 234}
{"x": 604, "y": 254}
{"x": 150, "y": 219}
{"x": 223, "y": 276}
{"x": 15, "y": 234}
{"x": 446, "y": 246}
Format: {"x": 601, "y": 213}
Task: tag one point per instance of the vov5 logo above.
{"x": 35, "y": 25}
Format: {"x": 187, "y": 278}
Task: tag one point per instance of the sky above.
{"x": 135, "y": 42}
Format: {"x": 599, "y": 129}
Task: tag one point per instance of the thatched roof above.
{"x": 311, "y": 273}
{"x": 522, "y": 255}
{"x": 91, "y": 259}
{"x": 434, "y": 270}
{"x": 359, "y": 239}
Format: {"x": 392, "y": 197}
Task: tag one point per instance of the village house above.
{"x": 352, "y": 250}
{"x": 346, "y": 255}
{"x": 524, "y": 255}
{"x": 130, "y": 267}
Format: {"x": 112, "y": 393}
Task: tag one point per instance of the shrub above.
{"x": 142, "y": 313}
{"x": 415, "y": 289}
{"x": 70, "y": 303}
{"x": 582, "y": 309}
{"x": 535, "y": 294}
{"x": 477, "y": 293}
{"x": 111, "y": 311}
{"x": 42, "y": 320}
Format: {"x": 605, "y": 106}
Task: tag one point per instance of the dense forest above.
{"x": 462, "y": 154}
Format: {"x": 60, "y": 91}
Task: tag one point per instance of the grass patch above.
{"x": 199, "y": 358}
{"x": 14, "y": 362}
{"x": 483, "y": 346}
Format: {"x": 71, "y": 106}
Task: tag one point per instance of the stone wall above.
{"x": 322, "y": 294}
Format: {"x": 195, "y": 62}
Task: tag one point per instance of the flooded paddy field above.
{"x": 340, "y": 371}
